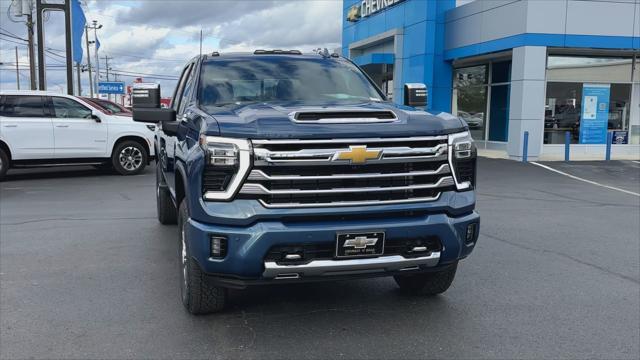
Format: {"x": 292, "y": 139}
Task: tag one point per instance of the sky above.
{"x": 154, "y": 38}
{"x": 159, "y": 36}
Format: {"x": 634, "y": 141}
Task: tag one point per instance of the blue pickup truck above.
{"x": 282, "y": 167}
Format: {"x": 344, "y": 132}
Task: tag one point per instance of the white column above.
{"x": 634, "y": 118}
{"x": 527, "y": 100}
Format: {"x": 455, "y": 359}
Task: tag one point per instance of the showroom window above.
{"x": 481, "y": 98}
{"x": 587, "y": 97}
{"x": 470, "y": 97}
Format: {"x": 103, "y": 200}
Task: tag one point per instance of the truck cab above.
{"x": 283, "y": 167}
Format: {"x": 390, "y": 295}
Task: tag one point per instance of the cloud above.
{"x": 176, "y": 13}
{"x": 300, "y": 24}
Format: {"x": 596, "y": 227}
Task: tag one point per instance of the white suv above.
{"x": 39, "y": 128}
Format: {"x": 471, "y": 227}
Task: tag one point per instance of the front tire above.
{"x": 430, "y": 283}
{"x": 4, "y": 164}
{"x": 199, "y": 296}
{"x": 167, "y": 212}
{"x": 129, "y": 157}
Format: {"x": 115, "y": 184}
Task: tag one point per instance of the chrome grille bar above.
{"x": 348, "y": 203}
{"x": 347, "y": 141}
{"x": 259, "y": 189}
{"x": 259, "y": 175}
{"x": 264, "y": 156}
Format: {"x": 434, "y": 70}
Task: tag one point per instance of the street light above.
{"x": 95, "y": 28}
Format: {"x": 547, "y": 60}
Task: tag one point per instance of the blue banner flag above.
{"x": 97, "y": 44}
{"x": 78, "y": 22}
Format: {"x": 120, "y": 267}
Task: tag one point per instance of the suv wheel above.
{"x": 167, "y": 212}
{"x": 430, "y": 283}
{"x": 199, "y": 296}
{"x": 4, "y": 164}
{"x": 129, "y": 158}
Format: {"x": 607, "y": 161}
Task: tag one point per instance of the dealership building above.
{"x": 560, "y": 70}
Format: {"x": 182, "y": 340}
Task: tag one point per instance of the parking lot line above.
{"x": 584, "y": 180}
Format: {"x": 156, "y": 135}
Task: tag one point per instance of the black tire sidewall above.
{"x": 183, "y": 216}
{"x": 5, "y": 163}
{"x": 116, "y": 153}
{"x": 166, "y": 210}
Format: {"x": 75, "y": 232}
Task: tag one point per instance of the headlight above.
{"x": 462, "y": 158}
{"x": 227, "y": 162}
{"x": 151, "y": 127}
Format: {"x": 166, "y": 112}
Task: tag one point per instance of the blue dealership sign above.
{"x": 595, "y": 113}
{"x": 111, "y": 87}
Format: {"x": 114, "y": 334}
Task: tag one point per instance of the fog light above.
{"x": 218, "y": 246}
{"x": 471, "y": 232}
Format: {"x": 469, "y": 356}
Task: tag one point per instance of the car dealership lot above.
{"x": 87, "y": 272}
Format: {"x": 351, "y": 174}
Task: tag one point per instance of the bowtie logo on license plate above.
{"x": 357, "y": 154}
{"x": 360, "y": 242}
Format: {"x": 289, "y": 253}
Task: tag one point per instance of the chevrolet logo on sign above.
{"x": 369, "y": 7}
{"x": 357, "y": 154}
{"x": 354, "y": 13}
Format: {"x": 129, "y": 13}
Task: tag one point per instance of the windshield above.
{"x": 277, "y": 78}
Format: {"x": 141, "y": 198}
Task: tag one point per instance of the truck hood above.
{"x": 273, "y": 121}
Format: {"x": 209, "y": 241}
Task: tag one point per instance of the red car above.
{"x": 110, "y": 106}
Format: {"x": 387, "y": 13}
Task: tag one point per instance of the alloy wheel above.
{"x": 130, "y": 158}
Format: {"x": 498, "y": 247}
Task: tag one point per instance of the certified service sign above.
{"x": 368, "y": 7}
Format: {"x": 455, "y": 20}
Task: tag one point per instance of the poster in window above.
{"x": 595, "y": 113}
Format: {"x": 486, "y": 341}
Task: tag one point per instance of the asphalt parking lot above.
{"x": 86, "y": 271}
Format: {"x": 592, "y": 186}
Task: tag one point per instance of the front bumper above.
{"x": 249, "y": 244}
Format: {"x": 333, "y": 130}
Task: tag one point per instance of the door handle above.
{"x": 62, "y": 126}
{"x": 11, "y": 126}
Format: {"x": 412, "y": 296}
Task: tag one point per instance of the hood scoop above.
{"x": 342, "y": 117}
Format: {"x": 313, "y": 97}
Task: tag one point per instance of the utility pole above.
{"x": 200, "y": 42}
{"x": 32, "y": 57}
{"x": 17, "y": 70}
{"x": 106, "y": 66}
{"x": 95, "y": 28}
{"x": 86, "y": 39}
{"x": 25, "y": 8}
{"x": 78, "y": 67}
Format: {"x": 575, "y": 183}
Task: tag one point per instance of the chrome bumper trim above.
{"x": 348, "y": 266}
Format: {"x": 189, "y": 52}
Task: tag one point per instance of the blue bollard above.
{"x": 525, "y": 146}
{"x": 607, "y": 155}
{"x": 567, "y": 144}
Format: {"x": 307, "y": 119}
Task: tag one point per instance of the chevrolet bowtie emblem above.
{"x": 354, "y": 13}
{"x": 357, "y": 154}
{"x": 360, "y": 242}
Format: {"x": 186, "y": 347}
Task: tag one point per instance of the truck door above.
{"x": 169, "y": 143}
{"x": 76, "y": 133}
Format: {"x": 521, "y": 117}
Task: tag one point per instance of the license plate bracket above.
{"x": 359, "y": 244}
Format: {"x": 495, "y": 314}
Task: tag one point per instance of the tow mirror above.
{"x": 416, "y": 95}
{"x": 145, "y": 98}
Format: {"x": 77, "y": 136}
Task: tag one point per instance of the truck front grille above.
{"x": 349, "y": 172}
